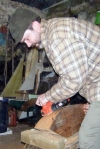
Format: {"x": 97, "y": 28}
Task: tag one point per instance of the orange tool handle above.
{"x": 46, "y": 109}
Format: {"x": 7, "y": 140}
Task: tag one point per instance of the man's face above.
{"x": 31, "y": 37}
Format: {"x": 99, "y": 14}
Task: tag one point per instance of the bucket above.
{"x": 3, "y": 114}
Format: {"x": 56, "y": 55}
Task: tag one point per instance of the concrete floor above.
{"x": 13, "y": 141}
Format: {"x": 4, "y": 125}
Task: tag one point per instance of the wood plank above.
{"x": 65, "y": 121}
{"x": 45, "y": 139}
{"x": 15, "y": 81}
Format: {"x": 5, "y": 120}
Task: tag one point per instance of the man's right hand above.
{"x": 41, "y": 100}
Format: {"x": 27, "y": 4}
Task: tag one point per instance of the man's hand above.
{"x": 86, "y": 107}
{"x": 41, "y": 100}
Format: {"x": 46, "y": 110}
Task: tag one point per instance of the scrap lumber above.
{"x": 15, "y": 81}
{"x": 30, "y": 73}
{"x": 64, "y": 123}
{"x": 46, "y": 139}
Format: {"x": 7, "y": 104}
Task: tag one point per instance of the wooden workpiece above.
{"x": 57, "y": 130}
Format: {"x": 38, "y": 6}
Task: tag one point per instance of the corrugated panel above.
{"x": 40, "y": 4}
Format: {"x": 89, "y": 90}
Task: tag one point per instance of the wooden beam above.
{"x": 59, "y": 129}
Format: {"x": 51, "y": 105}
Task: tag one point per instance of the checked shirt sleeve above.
{"x": 68, "y": 58}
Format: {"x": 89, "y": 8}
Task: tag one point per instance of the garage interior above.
{"x": 19, "y": 64}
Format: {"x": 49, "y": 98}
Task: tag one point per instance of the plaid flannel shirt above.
{"x": 73, "y": 48}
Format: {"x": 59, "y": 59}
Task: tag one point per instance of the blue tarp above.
{"x": 2, "y": 39}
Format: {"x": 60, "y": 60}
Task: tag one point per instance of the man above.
{"x": 73, "y": 48}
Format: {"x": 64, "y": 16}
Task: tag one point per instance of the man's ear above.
{"x": 36, "y": 26}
